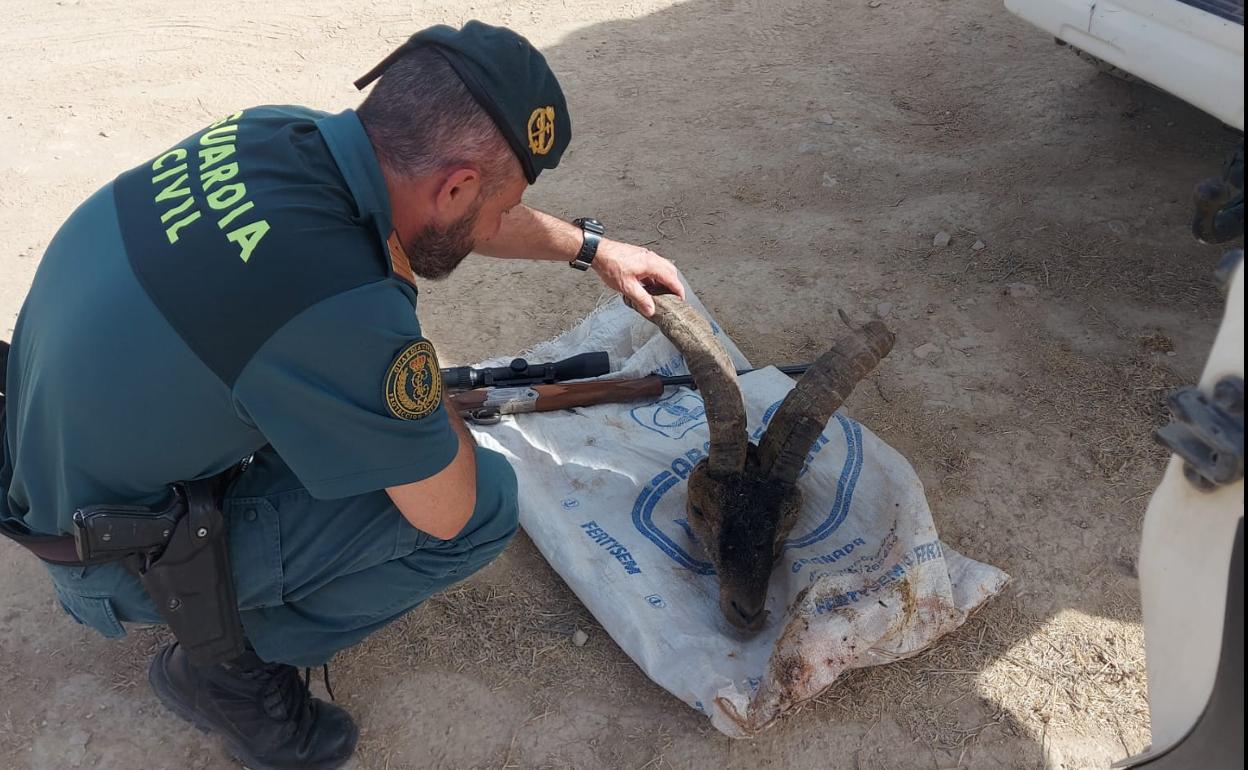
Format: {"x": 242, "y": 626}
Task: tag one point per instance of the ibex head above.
{"x": 743, "y": 499}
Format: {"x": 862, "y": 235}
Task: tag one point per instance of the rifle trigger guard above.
{"x": 483, "y": 416}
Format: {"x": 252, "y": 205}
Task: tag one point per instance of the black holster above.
{"x": 190, "y": 580}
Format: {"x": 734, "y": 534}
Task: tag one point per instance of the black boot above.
{"x": 263, "y": 710}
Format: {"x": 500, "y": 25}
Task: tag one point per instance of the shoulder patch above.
{"x": 413, "y": 388}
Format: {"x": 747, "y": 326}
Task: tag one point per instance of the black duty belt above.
{"x": 105, "y": 533}
{"x": 179, "y": 552}
{"x": 55, "y": 549}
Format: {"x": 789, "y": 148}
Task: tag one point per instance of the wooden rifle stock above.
{"x": 559, "y": 395}
{"x": 484, "y": 405}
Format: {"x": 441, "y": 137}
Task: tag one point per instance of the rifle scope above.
{"x": 520, "y": 372}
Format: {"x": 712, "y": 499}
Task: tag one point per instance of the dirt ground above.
{"x": 793, "y": 157}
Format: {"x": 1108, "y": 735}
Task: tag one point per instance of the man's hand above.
{"x": 635, "y": 272}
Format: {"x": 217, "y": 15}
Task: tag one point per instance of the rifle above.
{"x": 484, "y": 406}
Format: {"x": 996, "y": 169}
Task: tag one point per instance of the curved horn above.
{"x": 819, "y": 393}
{"x": 715, "y": 376}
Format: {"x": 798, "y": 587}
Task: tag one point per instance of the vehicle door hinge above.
{"x": 1208, "y": 433}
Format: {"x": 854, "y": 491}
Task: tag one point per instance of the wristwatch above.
{"x": 592, "y": 230}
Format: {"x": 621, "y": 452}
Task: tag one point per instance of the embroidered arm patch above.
{"x": 413, "y": 387}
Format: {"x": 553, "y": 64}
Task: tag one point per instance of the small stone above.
{"x": 942, "y": 239}
{"x": 883, "y": 309}
{"x": 966, "y": 343}
{"x": 826, "y": 119}
{"x": 579, "y": 638}
{"x": 1171, "y": 353}
{"x": 1022, "y": 290}
{"x": 104, "y": 134}
{"x": 829, "y": 180}
{"x": 875, "y": 4}
{"x": 808, "y": 148}
{"x": 978, "y": 246}
{"x": 927, "y": 350}
{"x": 1081, "y": 524}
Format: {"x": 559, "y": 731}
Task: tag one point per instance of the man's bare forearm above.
{"x": 634, "y": 271}
{"x": 527, "y": 233}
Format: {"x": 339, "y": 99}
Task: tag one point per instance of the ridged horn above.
{"x": 817, "y": 395}
{"x": 715, "y": 376}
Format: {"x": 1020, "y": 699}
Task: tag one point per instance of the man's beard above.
{"x": 435, "y": 253}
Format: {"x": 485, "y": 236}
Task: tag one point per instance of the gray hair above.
{"x": 421, "y": 119}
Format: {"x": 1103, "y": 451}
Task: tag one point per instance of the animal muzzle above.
{"x": 745, "y": 614}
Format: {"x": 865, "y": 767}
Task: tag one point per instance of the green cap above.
{"x": 510, "y": 80}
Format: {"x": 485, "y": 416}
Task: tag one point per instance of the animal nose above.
{"x": 749, "y": 619}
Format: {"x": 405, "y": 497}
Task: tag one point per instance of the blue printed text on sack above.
{"x": 611, "y": 546}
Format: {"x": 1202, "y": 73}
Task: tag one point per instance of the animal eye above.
{"x": 696, "y": 511}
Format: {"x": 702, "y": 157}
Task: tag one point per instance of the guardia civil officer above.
{"x": 221, "y": 413}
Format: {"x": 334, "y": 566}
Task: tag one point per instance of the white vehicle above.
{"x": 1192, "y": 564}
{"x": 1192, "y": 550}
{"x": 1193, "y": 49}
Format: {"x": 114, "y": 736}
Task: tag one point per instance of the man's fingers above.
{"x": 672, "y": 280}
{"x": 664, "y": 285}
{"x": 639, "y": 298}
{"x": 637, "y": 273}
{"x": 655, "y": 284}
{"x": 665, "y": 272}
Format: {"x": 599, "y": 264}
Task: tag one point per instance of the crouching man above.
{"x": 221, "y": 412}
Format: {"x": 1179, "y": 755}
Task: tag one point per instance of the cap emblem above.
{"x": 542, "y": 130}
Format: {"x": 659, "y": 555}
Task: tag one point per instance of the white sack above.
{"x": 863, "y": 580}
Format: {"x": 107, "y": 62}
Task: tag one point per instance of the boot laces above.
{"x": 307, "y": 680}
{"x": 285, "y": 697}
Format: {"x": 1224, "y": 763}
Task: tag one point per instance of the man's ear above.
{"x": 459, "y": 192}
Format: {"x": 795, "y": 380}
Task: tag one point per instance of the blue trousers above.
{"x": 315, "y": 576}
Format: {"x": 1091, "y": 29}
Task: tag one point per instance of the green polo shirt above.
{"x": 235, "y": 291}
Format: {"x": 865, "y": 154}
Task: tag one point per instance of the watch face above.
{"x": 591, "y": 224}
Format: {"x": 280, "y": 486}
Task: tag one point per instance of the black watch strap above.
{"x": 592, "y": 232}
